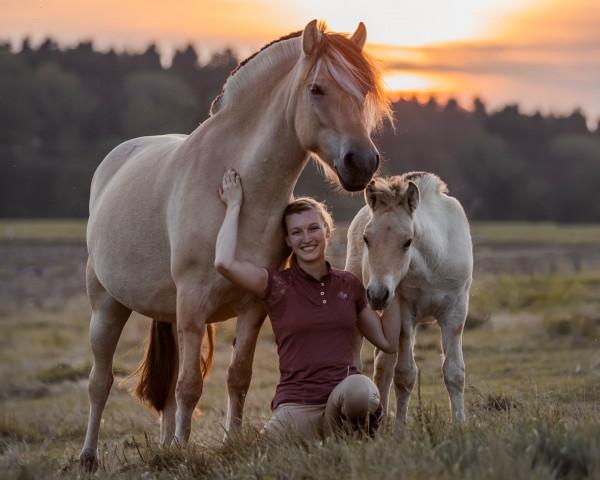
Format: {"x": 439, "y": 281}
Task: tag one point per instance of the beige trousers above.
{"x": 353, "y": 403}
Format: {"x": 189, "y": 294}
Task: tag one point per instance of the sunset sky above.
{"x": 542, "y": 54}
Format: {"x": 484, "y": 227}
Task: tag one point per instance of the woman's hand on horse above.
{"x": 231, "y": 192}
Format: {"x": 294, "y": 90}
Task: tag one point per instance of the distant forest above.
{"x": 63, "y": 109}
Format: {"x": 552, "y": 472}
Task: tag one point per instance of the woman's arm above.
{"x": 384, "y": 331}
{"x": 242, "y": 273}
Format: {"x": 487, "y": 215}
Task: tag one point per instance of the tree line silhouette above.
{"x": 63, "y": 109}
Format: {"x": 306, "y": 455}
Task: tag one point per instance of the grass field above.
{"x": 50, "y": 230}
{"x": 532, "y": 354}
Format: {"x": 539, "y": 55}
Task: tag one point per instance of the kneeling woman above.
{"x": 313, "y": 309}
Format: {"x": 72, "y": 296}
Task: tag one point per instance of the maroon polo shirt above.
{"x": 313, "y": 321}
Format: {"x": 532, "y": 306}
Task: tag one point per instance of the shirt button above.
{"x": 322, "y": 293}
{"x": 322, "y": 284}
{"x": 324, "y": 301}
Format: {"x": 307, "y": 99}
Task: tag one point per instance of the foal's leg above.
{"x": 382, "y": 376}
{"x": 452, "y": 325}
{"x": 405, "y": 374}
{"x": 240, "y": 369}
{"x": 167, "y": 417}
{"x": 108, "y": 319}
{"x": 385, "y": 362}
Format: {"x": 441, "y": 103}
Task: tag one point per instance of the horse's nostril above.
{"x": 376, "y": 162}
{"x": 385, "y": 296}
{"x": 349, "y": 160}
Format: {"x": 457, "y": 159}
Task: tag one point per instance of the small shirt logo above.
{"x": 342, "y": 295}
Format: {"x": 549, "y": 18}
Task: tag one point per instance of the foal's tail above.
{"x": 157, "y": 371}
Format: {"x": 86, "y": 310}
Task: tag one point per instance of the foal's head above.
{"x": 388, "y": 235}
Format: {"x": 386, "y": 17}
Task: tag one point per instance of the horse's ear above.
{"x": 311, "y": 36}
{"x": 359, "y": 37}
{"x": 370, "y": 196}
{"x": 412, "y": 197}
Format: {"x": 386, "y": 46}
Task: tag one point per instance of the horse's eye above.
{"x": 407, "y": 244}
{"x": 315, "y": 89}
{"x": 366, "y": 240}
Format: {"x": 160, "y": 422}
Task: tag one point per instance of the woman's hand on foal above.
{"x": 231, "y": 192}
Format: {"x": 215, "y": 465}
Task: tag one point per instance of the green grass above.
{"x": 532, "y": 400}
{"x": 536, "y": 232}
{"x": 525, "y": 232}
{"x": 532, "y": 397}
{"x": 42, "y": 230}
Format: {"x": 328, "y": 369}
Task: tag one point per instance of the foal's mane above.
{"x": 351, "y": 68}
{"x": 390, "y": 191}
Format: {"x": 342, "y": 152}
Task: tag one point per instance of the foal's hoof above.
{"x": 88, "y": 462}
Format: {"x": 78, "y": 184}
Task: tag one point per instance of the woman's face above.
{"x": 307, "y": 235}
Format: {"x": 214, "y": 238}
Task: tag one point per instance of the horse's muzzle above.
{"x": 357, "y": 169}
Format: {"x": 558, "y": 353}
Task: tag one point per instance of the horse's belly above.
{"x": 134, "y": 278}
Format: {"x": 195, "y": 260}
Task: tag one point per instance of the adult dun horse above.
{"x": 411, "y": 245}
{"x": 155, "y": 214}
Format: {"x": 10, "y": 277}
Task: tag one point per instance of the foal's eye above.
{"x": 407, "y": 244}
{"x": 315, "y": 89}
{"x": 366, "y": 240}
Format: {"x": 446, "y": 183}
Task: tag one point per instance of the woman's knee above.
{"x": 360, "y": 397}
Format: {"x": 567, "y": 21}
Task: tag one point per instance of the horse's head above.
{"x": 388, "y": 236}
{"x": 338, "y": 101}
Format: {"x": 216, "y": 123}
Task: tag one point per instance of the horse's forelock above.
{"x": 355, "y": 71}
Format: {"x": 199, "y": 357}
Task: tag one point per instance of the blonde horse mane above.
{"x": 390, "y": 191}
{"x": 354, "y": 70}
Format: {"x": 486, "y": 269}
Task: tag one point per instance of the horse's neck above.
{"x": 255, "y": 106}
{"x": 429, "y": 235}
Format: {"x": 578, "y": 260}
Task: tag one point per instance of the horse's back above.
{"x": 131, "y": 158}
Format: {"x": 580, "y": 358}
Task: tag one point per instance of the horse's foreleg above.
{"x": 453, "y": 368}
{"x": 405, "y": 374}
{"x": 190, "y": 332}
{"x": 108, "y": 319}
{"x": 239, "y": 374}
{"x": 167, "y": 417}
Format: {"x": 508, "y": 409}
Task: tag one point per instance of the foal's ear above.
{"x": 412, "y": 197}
{"x": 359, "y": 37}
{"x": 311, "y": 36}
{"x": 370, "y": 195}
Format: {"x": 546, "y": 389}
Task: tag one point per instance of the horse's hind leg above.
{"x": 167, "y": 416}
{"x": 240, "y": 369}
{"x": 453, "y": 368}
{"x": 108, "y": 319}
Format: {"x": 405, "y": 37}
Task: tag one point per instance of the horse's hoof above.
{"x": 88, "y": 462}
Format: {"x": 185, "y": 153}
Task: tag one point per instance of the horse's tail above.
{"x": 157, "y": 370}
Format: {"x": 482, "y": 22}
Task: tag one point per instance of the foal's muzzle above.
{"x": 378, "y": 299}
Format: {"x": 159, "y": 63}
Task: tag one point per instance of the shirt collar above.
{"x": 298, "y": 270}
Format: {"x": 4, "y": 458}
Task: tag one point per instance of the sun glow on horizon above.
{"x": 543, "y": 53}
